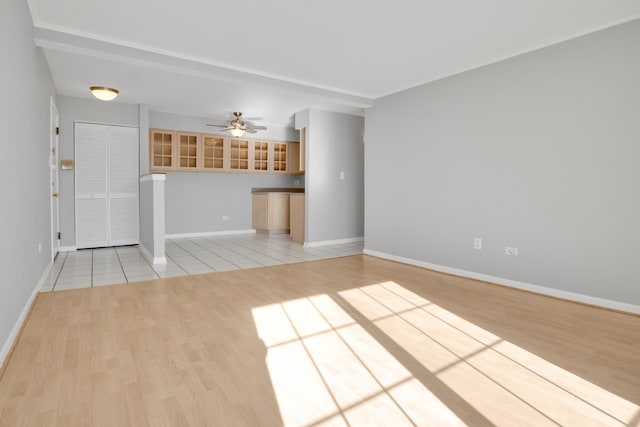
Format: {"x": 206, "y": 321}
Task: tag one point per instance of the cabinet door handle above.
{"x": 55, "y": 195}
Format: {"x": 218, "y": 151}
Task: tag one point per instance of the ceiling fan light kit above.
{"x": 104, "y": 93}
{"x": 237, "y": 127}
{"x": 237, "y": 132}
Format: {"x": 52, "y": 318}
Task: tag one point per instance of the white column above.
{"x": 152, "y": 217}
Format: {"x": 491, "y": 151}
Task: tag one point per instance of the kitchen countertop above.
{"x": 277, "y": 190}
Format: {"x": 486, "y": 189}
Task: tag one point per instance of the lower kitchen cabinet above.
{"x": 271, "y": 213}
{"x": 296, "y": 209}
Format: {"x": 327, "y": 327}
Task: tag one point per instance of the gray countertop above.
{"x": 277, "y": 190}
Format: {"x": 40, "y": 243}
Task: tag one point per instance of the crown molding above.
{"x": 67, "y": 40}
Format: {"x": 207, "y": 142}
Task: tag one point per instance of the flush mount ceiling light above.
{"x": 104, "y": 93}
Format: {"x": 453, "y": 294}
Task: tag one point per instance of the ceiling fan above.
{"x": 237, "y": 127}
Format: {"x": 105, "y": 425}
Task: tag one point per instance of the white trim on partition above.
{"x": 209, "y": 233}
{"x": 557, "y": 293}
{"x": 13, "y": 335}
{"x": 153, "y": 177}
{"x": 332, "y": 242}
{"x": 68, "y": 248}
{"x": 153, "y": 260}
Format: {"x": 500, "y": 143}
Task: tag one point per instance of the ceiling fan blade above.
{"x": 239, "y": 123}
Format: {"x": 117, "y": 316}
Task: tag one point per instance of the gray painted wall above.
{"x": 334, "y": 207}
{"x": 196, "y": 202}
{"x": 539, "y": 152}
{"x": 26, "y": 87}
{"x": 72, "y": 109}
{"x": 143, "y": 138}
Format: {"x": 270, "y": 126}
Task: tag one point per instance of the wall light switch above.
{"x": 296, "y": 182}
{"x": 341, "y": 174}
{"x": 225, "y": 218}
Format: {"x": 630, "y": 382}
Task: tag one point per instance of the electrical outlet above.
{"x": 296, "y": 182}
{"x": 225, "y": 218}
{"x": 509, "y": 250}
{"x": 341, "y": 174}
{"x": 39, "y": 247}
{"x": 477, "y": 243}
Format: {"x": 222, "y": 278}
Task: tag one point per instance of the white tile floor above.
{"x": 107, "y": 266}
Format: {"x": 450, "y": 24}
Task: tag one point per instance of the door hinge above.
{"x": 59, "y": 235}
{"x": 57, "y": 130}
{"x": 53, "y": 151}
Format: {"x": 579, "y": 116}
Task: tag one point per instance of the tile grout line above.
{"x": 121, "y": 266}
{"x": 227, "y": 248}
{"x": 64, "y": 261}
{"x": 187, "y": 251}
{"x": 148, "y": 263}
{"x": 249, "y": 249}
{"x": 176, "y": 263}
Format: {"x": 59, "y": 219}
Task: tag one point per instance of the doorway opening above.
{"x": 54, "y": 130}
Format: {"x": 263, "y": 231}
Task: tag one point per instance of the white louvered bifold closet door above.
{"x": 106, "y": 159}
{"x": 123, "y": 185}
{"x": 92, "y": 228}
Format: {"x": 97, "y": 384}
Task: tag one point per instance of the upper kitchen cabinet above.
{"x": 280, "y": 155}
{"x": 184, "y": 151}
{"x": 239, "y": 155}
{"x": 261, "y": 156}
{"x": 214, "y": 153}
{"x": 188, "y": 151}
{"x": 296, "y": 161}
{"x": 162, "y": 149}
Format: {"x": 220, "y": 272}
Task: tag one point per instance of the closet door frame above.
{"x": 107, "y": 167}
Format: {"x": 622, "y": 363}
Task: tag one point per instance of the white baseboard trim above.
{"x": 151, "y": 258}
{"x": 6, "y": 347}
{"x": 209, "y": 233}
{"x": 571, "y": 296}
{"x": 68, "y": 248}
{"x": 332, "y": 242}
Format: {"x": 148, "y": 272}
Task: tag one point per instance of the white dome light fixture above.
{"x": 237, "y": 132}
{"x": 104, "y": 93}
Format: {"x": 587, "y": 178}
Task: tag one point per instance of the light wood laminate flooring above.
{"x": 352, "y": 341}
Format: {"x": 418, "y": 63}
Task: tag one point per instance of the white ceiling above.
{"x": 272, "y": 58}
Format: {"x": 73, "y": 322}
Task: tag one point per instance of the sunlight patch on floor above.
{"x": 500, "y": 380}
{"x": 328, "y": 370}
